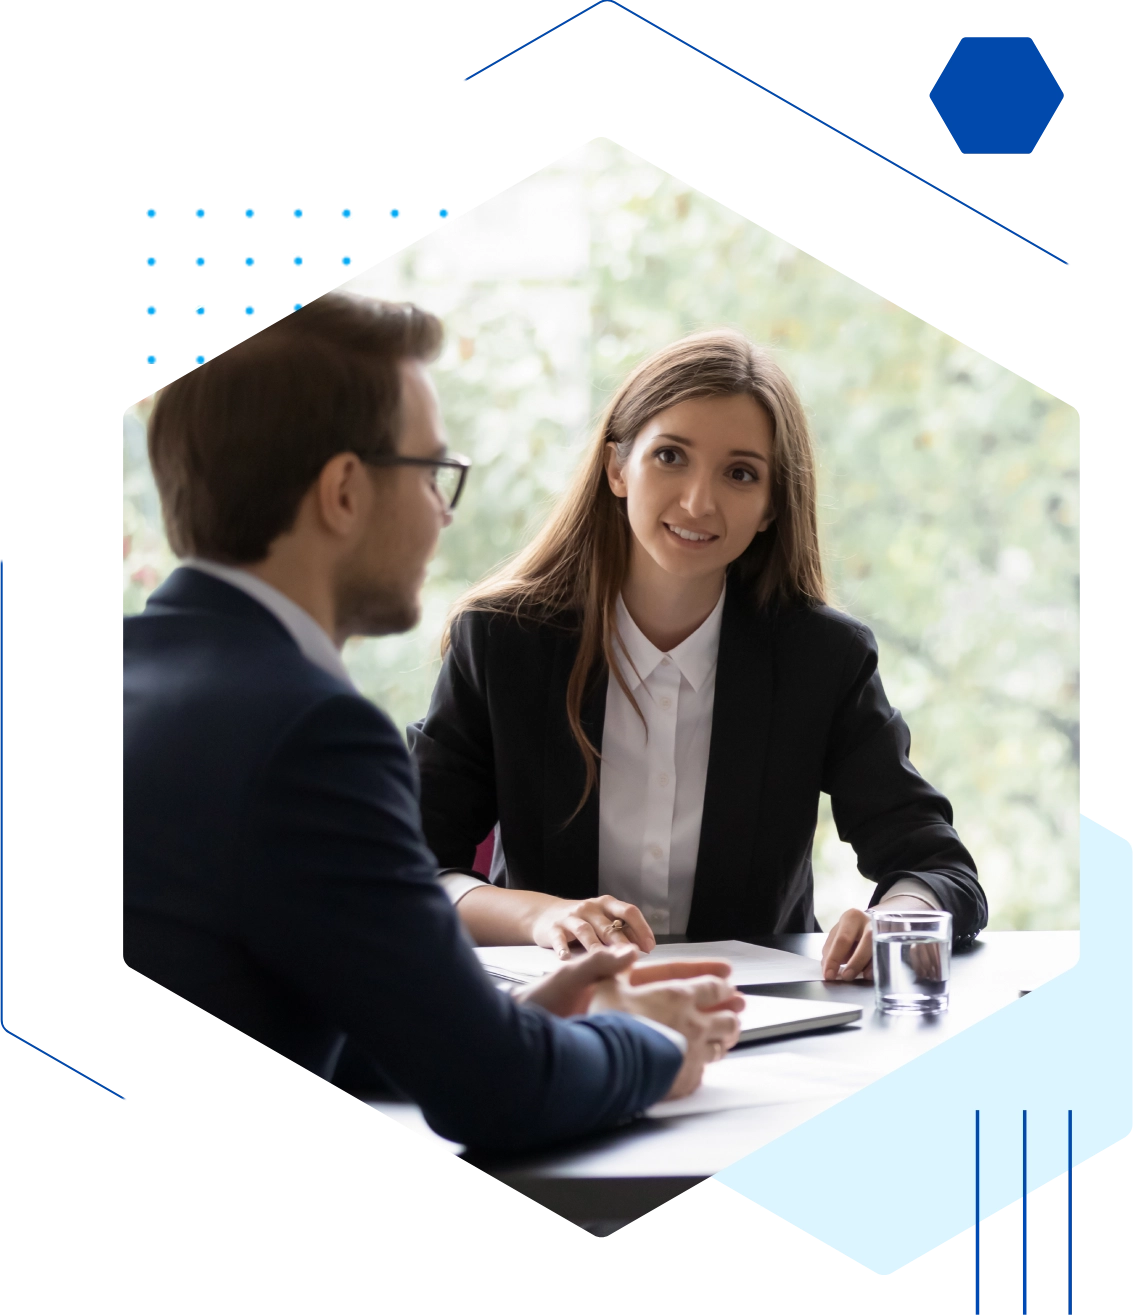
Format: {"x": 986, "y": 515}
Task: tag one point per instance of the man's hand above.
{"x": 694, "y": 997}
{"x": 848, "y": 952}
{"x": 591, "y": 923}
{"x": 568, "y": 989}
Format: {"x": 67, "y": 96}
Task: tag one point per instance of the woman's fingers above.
{"x": 859, "y": 958}
{"x": 583, "y": 933}
{"x": 636, "y": 928}
{"x": 559, "y": 941}
{"x": 616, "y": 923}
{"x": 843, "y": 941}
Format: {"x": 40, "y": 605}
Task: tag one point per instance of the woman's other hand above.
{"x": 600, "y": 921}
{"x": 848, "y": 950}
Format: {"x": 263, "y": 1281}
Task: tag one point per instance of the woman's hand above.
{"x": 591, "y": 923}
{"x": 848, "y": 950}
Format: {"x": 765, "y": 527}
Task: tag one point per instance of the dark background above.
{"x": 246, "y": 109}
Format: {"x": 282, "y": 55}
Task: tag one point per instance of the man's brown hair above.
{"x": 236, "y": 444}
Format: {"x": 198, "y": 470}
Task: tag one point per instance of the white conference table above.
{"x": 605, "y": 1181}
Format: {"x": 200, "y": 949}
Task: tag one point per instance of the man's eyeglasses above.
{"x": 448, "y": 472}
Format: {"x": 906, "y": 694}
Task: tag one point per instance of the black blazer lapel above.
{"x": 738, "y": 747}
{"x": 570, "y": 849}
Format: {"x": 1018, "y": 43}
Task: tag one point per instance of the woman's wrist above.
{"x": 497, "y": 916}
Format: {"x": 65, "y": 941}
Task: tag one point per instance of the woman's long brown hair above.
{"x": 572, "y": 571}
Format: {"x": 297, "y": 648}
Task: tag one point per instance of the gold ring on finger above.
{"x": 616, "y": 926}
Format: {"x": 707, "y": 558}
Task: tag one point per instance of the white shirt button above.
{"x": 665, "y": 662}
{"x": 655, "y": 852}
{"x": 666, "y": 702}
{"x": 663, "y": 778}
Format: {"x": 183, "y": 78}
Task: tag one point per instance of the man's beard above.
{"x": 374, "y": 608}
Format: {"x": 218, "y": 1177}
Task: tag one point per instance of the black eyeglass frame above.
{"x": 453, "y": 462}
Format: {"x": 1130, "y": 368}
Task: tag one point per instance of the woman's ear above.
{"x": 614, "y": 471}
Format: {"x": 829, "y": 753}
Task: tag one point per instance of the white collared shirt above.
{"x": 652, "y": 784}
{"x": 314, "y": 642}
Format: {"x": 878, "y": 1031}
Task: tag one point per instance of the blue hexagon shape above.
{"x": 996, "y": 95}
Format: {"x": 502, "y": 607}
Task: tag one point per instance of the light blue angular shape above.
{"x": 1066, "y": 1046}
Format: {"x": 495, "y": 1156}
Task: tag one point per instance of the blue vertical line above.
{"x": 1067, "y": 1254}
{"x": 1024, "y": 1257}
{"x": 3, "y": 791}
{"x": 976, "y": 1231}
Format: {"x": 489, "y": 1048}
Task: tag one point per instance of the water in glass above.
{"x": 911, "y": 968}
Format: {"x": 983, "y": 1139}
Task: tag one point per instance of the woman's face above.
{"x": 697, "y": 483}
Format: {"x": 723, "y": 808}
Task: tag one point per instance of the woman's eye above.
{"x": 742, "y": 475}
{"x": 668, "y": 456}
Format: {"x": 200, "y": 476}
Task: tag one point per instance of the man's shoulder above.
{"x": 186, "y": 668}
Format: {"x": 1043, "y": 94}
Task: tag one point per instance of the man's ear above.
{"x": 342, "y": 494}
{"x": 614, "y": 471}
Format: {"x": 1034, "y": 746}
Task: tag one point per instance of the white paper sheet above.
{"x": 751, "y": 965}
{"x": 766, "y": 1080}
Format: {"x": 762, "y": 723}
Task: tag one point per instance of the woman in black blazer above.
{"x": 647, "y": 702}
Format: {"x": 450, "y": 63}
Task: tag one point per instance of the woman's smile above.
{"x": 689, "y": 538}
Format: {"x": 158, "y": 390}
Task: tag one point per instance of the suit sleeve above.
{"x": 899, "y": 826}
{"x": 452, "y": 750}
{"x": 345, "y": 910}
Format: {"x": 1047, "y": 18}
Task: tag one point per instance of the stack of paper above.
{"x": 751, "y": 965}
{"x": 781, "y": 1078}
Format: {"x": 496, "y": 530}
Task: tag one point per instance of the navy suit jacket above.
{"x": 799, "y": 709}
{"x": 276, "y": 876}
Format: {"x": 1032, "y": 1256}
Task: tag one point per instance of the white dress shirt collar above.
{"x": 313, "y": 641}
{"x": 695, "y": 657}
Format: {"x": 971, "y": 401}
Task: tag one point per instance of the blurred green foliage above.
{"x": 948, "y": 485}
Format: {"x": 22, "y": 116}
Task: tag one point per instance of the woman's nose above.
{"x": 697, "y": 496}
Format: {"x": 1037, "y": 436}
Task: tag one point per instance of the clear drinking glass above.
{"x": 911, "y": 960}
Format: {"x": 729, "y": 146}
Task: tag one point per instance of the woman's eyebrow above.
{"x": 736, "y": 452}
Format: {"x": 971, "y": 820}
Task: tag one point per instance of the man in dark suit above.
{"x": 275, "y": 871}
